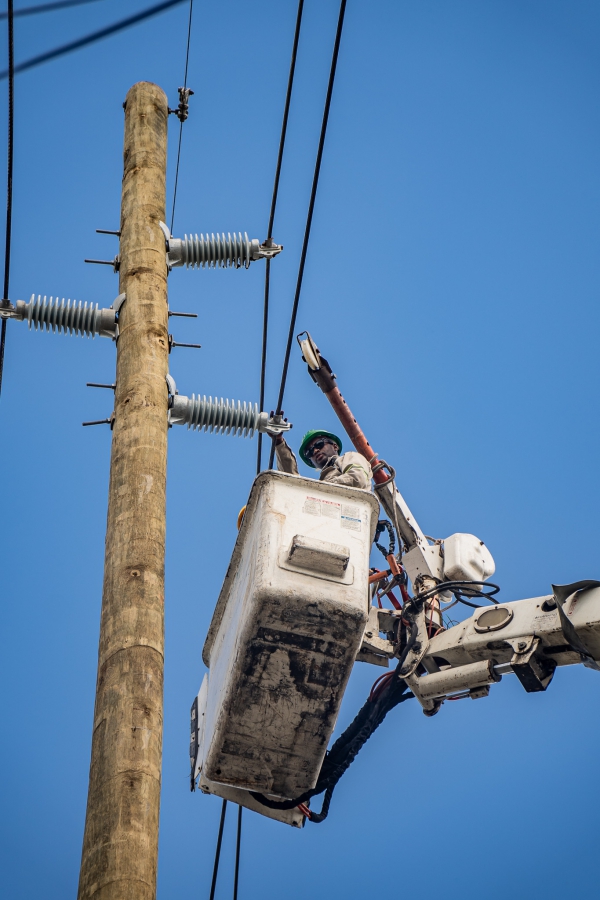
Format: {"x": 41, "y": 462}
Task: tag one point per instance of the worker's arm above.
{"x": 355, "y": 472}
{"x": 286, "y": 461}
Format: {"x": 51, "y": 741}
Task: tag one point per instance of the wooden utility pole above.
{"x": 120, "y": 845}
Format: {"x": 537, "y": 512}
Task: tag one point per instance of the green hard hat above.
{"x": 310, "y": 436}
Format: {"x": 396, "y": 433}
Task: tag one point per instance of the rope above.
{"x": 91, "y": 38}
{"x": 284, "y": 123}
{"x": 218, "y": 851}
{"x": 309, "y": 217}
{"x": 237, "y": 853}
{"x": 187, "y": 58}
{"x": 11, "y": 112}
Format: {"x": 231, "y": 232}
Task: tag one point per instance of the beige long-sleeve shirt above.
{"x": 351, "y": 469}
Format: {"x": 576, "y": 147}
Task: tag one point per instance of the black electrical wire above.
{"x": 384, "y": 525}
{"x": 92, "y": 38}
{"x": 282, "y": 137}
{"x": 46, "y": 7}
{"x": 187, "y": 59}
{"x": 284, "y": 123}
{"x": 237, "y": 853}
{"x": 461, "y": 589}
{"x": 311, "y": 206}
{"x": 218, "y": 851}
{"x": 9, "y": 180}
{"x": 346, "y": 748}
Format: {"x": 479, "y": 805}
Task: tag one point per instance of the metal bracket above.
{"x": 413, "y": 660}
{"x": 8, "y": 311}
{"x": 116, "y": 306}
{"x": 420, "y": 646}
{"x": 118, "y": 302}
{"x": 182, "y": 110}
{"x": 268, "y": 249}
{"x": 172, "y": 388}
{"x": 521, "y": 645}
{"x": 372, "y": 642}
{"x": 273, "y": 425}
{"x": 533, "y": 670}
{"x": 167, "y": 234}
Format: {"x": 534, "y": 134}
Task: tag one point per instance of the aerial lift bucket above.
{"x": 284, "y": 636}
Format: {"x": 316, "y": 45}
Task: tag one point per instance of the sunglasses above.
{"x": 318, "y": 445}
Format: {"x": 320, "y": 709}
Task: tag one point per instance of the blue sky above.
{"x": 452, "y": 281}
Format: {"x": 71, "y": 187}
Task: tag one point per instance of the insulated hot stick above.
{"x": 320, "y": 372}
{"x": 421, "y": 561}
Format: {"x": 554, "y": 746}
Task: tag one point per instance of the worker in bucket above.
{"x": 323, "y": 450}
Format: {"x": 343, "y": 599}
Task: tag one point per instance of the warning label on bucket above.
{"x": 346, "y": 514}
{"x": 317, "y": 507}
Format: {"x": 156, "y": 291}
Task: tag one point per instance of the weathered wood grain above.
{"x": 120, "y": 846}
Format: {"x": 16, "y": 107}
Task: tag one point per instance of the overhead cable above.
{"x": 93, "y": 37}
{"x": 187, "y": 58}
{"x": 9, "y": 180}
{"x": 46, "y": 7}
{"x": 309, "y": 217}
{"x": 284, "y": 123}
{"x": 237, "y": 853}
{"x": 218, "y": 851}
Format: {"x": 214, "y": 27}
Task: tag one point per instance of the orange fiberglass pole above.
{"x": 320, "y": 371}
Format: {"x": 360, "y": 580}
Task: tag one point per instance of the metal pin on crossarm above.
{"x": 109, "y": 421}
{"x": 115, "y": 263}
{"x": 173, "y": 343}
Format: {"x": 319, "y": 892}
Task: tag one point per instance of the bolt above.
{"x": 369, "y": 634}
{"x": 522, "y": 645}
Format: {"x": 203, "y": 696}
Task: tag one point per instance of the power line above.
{"x": 238, "y": 843}
{"x": 46, "y": 7}
{"x": 311, "y": 206}
{"x": 286, "y": 110}
{"x": 9, "y": 179}
{"x": 187, "y": 58}
{"x": 218, "y": 851}
{"x": 92, "y": 38}
{"x": 284, "y": 123}
{"x": 237, "y": 853}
